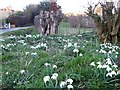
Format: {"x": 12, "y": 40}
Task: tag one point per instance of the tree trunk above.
{"x": 108, "y": 24}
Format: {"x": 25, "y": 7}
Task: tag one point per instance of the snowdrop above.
{"x": 102, "y": 51}
{"x": 75, "y": 44}
{"x": 108, "y": 69}
{"x": 34, "y": 54}
{"x": 69, "y": 44}
{"x": 76, "y": 50}
{"x": 118, "y": 72}
{"x": 54, "y": 76}
{"x": 28, "y": 35}
{"x": 80, "y": 54}
{"x": 116, "y": 53}
{"x": 115, "y": 66}
{"x": 104, "y": 66}
{"x": 70, "y": 81}
{"x": 70, "y": 87}
{"x": 32, "y": 47}
{"x": 46, "y": 79}
{"x": 54, "y": 66}
{"x": 26, "y": 53}
{"x": 99, "y": 66}
{"x": 7, "y": 73}
{"x": 111, "y": 74}
{"x": 62, "y": 84}
{"x": 108, "y": 61}
{"x": 47, "y": 64}
{"x": 110, "y": 52}
{"x": 98, "y": 62}
{"x": 22, "y": 71}
{"x": 21, "y": 41}
{"x": 2, "y": 40}
{"x": 43, "y": 44}
{"x": 92, "y": 63}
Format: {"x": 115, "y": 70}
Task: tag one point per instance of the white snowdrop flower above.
{"x": 54, "y": 66}
{"x": 99, "y": 66}
{"x": 102, "y": 51}
{"x": 109, "y": 74}
{"x": 69, "y": 44}
{"x": 96, "y": 50}
{"x": 47, "y": 64}
{"x": 104, "y": 66}
{"x": 116, "y": 53}
{"x": 75, "y": 44}
{"x": 113, "y": 73}
{"x": 26, "y": 53}
{"x": 113, "y": 50}
{"x": 65, "y": 46}
{"x": 62, "y": 84}
{"x": 33, "y": 47}
{"x": 76, "y": 50}
{"x": 110, "y": 52}
{"x": 108, "y": 61}
{"x": 46, "y": 79}
{"x": 98, "y": 62}
{"x": 115, "y": 66}
{"x": 54, "y": 76}
{"x": 22, "y": 71}
{"x": 70, "y": 87}
{"x": 92, "y": 63}
{"x": 108, "y": 69}
{"x": 38, "y": 46}
{"x": 24, "y": 44}
{"x": 116, "y": 56}
{"x": 118, "y": 72}
{"x": 43, "y": 45}
{"x": 34, "y": 54}
{"x": 2, "y": 46}
{"x": 6, "y": 73}
{"x": 80, "y": 54}
{"x": 83, "y": 46}
{"x": 29, "y": 35}
{"x": 70, "y": 81}
{"x": 14, "y": 81}
{"x": 2, "y": 39}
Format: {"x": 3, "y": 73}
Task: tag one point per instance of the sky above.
{"x": 68, "y": 6}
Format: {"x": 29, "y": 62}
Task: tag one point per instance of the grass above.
{"x": 17, "y": 55}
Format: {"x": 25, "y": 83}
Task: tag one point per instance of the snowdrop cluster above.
{"x": 108, "y": 65}
{"x": 40, "y": 45}
{"x": 67, "y": 83}
{"x": 108, "y": 49}
{"x": 51, "y": 65}
{"x": 51, "y": 77}
{"x": 32, "y": 36}
{"x": 68, "y": 45}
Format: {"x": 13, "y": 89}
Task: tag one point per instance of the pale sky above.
{"x": 68, "y": 6}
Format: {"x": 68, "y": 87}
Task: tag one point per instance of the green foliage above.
{"x": 44, "y": 6}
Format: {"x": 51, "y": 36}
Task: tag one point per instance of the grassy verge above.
{"x": 25, "y": 53}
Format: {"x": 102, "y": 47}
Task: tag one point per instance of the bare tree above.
{"x": 108, "y": 23}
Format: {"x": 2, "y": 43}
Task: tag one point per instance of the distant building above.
{"x": 5, "y": 12}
